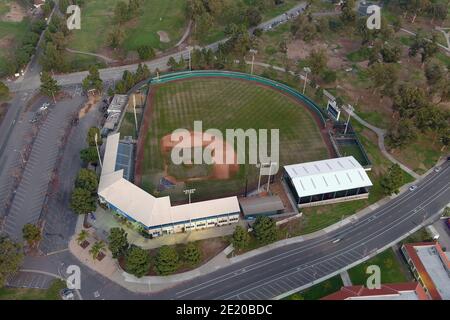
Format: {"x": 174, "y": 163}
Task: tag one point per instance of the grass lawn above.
{"x": 51, "y": 293}
{"x": 391, "y": 271}
{"x": 228, "y": 104}
{"x": 11, "y": 35}
{"x": 319, "y": 290}
{"x": 156, "y": 15}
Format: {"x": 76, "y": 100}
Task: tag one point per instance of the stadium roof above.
{"x": 325, "y": 176}
{"x": 145, "y": 208}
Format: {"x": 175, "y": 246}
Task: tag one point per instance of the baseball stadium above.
{"x": 221, "y": 100}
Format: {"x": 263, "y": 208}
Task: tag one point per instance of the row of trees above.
{"x": 83, "y": 198}
{"x": 264, "y": 231}
{"x": 11, "y": 258}
{"x": 130, "y": 79}
{"x": 138, "y": 261}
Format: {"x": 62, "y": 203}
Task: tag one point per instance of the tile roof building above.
{"x": 394, "y": 291}
{"x": 430, "y": 266}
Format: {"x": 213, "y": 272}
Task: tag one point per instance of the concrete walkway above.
{"x": 107, "y": 59}
{"x": 381, "y": 134}
{"x": 346, "y": 281}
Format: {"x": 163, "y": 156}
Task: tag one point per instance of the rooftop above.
{"x": 325, "y": 176}
{"x": 394, "y": 291}
{"x": 433, "y": 266}
{"x": 257, "y": 205}
{"x": 117, "y": 103}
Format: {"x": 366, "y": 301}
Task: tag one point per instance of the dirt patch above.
{"x": 7, "y": 42}
{"x": 163, "y": 36}
{"x": 16, "y": 13}
{"x": 219, "y": 150}
{"x": 92, "y": 101}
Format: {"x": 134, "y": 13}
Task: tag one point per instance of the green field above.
{"x": 52, "y": 293}
{"x": 11, "y": 35}
{"x": 319, "y": 290}
{"x": 228, "y": 104}
{"x": 390, "y": 267}
{"x": 156, "y": 15}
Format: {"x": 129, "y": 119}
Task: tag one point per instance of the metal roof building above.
{"x": 157, "y": 215}
{"x": 330, "y": 180}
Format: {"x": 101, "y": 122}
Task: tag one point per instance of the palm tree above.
{"x": 82, "y": 236}
{"x": 97, "y": 248}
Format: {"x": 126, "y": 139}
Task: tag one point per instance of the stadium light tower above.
{"x": 98, "y": 152}
{"x": 307, "y": 70}
{"x": 134, "y": 109}
{"x": 189, "y": 192}
{"x": 349, "y": 110}
{"x": 270, "y": 173}
{"x": 253, "y": 52}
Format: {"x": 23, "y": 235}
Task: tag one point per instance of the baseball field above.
{"x": 221, "y": 104}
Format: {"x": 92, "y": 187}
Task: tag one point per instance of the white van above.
{"x": 432, "y": 232}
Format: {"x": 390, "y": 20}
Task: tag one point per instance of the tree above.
{"x": 317, "y": 61}
{"x": 192, "y": 254}
{"x": 121, "y": 12}
{"x": 420, "y": 45}
{"x": 52, "y": 58}
{"x": 393, "y": 180}
{"x": 31, "y": 233}
{"x": 93, "y": 131}
{"x": 4, "y": 91}
{"x": 145, "y": 52}
{"x": 116, "y": 37}
{"x": 384, "y": 77}
{"x": 391, "y": 54}
{"x": 409, "y": 100}
{"x": 241, "y": 238}
{"x": 82, "y": 236}
{"x": 304, "y": 28}
{"x": 49, "y": 86}
{"x": 265, "y": 229}
{"x": 253, "y": 17}
{"x": 137, "y": 261}
{"x": 11, "y": 257}
{"x": 401, "y": 133}
{"x": 348, "y": 16}
{"x": 167, "y": 260}
{"x": 97, "y": 248}
{"x": 87, "y": 179}
{"x": 89, "y": 155}
{"x": 82, "y": 201}
{"x": 118, "y": 242}
{"x": 92, "y": 80}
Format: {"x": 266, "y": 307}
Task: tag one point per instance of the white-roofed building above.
{"x": 157, "y": 215}
{"x": 327, "y": 181}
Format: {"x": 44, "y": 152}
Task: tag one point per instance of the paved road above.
{"x": 295, "y": 266}
{"x": 115, "y": 73}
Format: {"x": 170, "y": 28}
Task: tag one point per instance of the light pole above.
{"x": 349, "y": 110}
{"x": 98, "y": 151}
{"x": 134, "y": 109}
{"x": 270, "y": 173}
{"x": 190, "y": 59}
{"x": 307, "y": 70}
{"x": 189, "y": 192}
{"x": 253, "y": 52}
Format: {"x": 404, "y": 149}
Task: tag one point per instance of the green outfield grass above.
{"x": 156, "y": 15}
{"x": 228, "y": 104}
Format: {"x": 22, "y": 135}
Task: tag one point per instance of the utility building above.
{"x": 327, "y": 181}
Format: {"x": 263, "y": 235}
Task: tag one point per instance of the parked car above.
{"x": 437, "y": 169}
{"x": 412, "y": 188}
{"x": 67, "y": 294}
{"x": 447, "y": 223}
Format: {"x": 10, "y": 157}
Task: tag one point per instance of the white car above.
{"x": 412, "y": 188}
{"x": 67, "y": 294}
{"x": 437, "y": 169}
